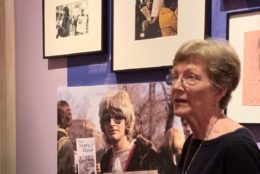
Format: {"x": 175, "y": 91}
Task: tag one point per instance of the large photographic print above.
{"x": 244, "y": 35}
{"x": 147, "y": 33}
{"x": 152, "y": 108}
{"x": 72, "y": 27}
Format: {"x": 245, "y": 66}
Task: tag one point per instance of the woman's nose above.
{"x": 177, "y": 84}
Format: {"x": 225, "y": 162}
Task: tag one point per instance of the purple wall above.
{"x": 36, "y": 83}
{"x": 37, "y": 80}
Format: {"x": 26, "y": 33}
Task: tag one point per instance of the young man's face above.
{"x": 114, "y": 128}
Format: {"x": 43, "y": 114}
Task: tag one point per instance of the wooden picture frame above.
{"x": 72, "y": 27}
{"x": 130, "y": 51}
{"x": 243, "y": 33}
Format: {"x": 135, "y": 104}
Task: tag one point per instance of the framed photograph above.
{"x": 147, "y": 33}
{"x": 244, "y": 35}
{"x": 72, "y": 27}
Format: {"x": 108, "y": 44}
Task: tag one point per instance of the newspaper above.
{"x": 146, "y": 13}
{"x": 86, "y": 154}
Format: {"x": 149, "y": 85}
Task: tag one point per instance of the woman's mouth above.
{"x": 180, "y": 100}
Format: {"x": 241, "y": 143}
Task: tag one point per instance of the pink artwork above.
{"x": 251, "y": 69}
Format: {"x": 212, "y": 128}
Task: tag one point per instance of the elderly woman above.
{"x": 204, "y": 74}
{"x": 117, "y": 120}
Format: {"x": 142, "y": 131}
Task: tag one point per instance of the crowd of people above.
{"x": 156, "y": 18}
{"x": 203, "y": 77}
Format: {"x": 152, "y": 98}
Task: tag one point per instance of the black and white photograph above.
{"x": 87, "y": 165}
{"x": 72, "y": 19}
{"x": 72, "y": 27}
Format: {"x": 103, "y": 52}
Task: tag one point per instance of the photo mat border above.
{"x": 91, "y": 43}
{"x": 235, "y": 109}
{"x": 127, "y": 53}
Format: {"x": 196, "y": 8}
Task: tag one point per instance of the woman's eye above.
{"x": 191, "y": 77}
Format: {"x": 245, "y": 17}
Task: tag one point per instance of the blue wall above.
{"x": 96, "y": 69}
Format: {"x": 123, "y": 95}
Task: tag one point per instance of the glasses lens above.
{"x": 116, "y": 118}
{"x": 189, "y": 81}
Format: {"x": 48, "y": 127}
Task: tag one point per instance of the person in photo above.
{"x": 117, "y": 120}
{"x": 65, "y": 150}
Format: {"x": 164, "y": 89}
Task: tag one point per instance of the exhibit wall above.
{"x": 37, "y": 79}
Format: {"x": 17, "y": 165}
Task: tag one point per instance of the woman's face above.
{"x": 193, "y": 93}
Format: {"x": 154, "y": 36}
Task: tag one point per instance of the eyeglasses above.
{"x": 190, "y": 80}
{"x": 116, "y": 118}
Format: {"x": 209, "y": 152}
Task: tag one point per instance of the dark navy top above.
{"x": 232, "y": 153}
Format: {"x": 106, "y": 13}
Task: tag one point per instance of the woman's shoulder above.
{"x": 239, "y": 136}
{"x": 241, "y": 145}
{"x": 231, "y": 129}
{"x": 224, "y": 126}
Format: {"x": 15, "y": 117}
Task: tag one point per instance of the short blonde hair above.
{"x": 222, "y": 62}
{"x": 174, "y": 141}
{"x": 118, "y": 102}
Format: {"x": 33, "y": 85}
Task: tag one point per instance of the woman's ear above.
{"x": 220, "y": 92}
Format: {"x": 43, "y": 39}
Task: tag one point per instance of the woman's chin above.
{"x": 181, "y": 112}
